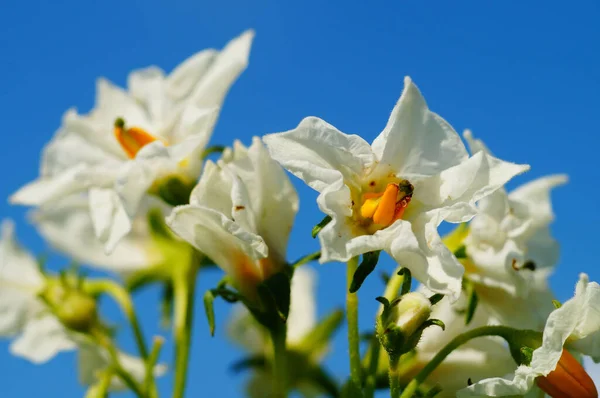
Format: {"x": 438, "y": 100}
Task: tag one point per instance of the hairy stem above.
{"x": 122, "y": 297}
{"x": 278, "y": 336}
{"x": 459, "y": 340}
{"x": 184, "y": 284}
{"x": 353, "y": 332}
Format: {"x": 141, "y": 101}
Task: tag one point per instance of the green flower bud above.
{"x": 75, "y": 309}
{"x": 410, "y": 313}
{"x": 402, "y": 322}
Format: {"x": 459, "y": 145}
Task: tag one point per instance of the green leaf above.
{"x": 317, "y": 228}
{"x": 209, "y": 298}
{"x": 367, "y": 265}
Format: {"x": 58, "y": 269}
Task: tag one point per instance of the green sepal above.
{"x": 166, "y": 305}
{"x": 274, "y": 295}
{"x": 526, "y": 355}
{"x": 522, "y": 343}
{"x": 213, "y": 149}
{"x": 317, "y": 339}
{"x": 306, "y": 259}
{"x": 406, "y": 280}
{"x": 251, "y": 362}
{"x": 174, "y": 190}
{"x": 367, "y": 265}
{"x": 472, "y": 301}
{"x": 317, "y": 228}
{"x": 209, "y": 310}
{"x": 557, "y": 304}
{"x": 461, "y": 252}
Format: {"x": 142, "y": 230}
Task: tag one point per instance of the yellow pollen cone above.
{"x": 132, "y": 139}
{"x": 384, "y": 215}
{"x": 568, "y": 380}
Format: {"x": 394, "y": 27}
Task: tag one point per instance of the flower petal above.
{"x": 303, "y": 309}
{"x": 227, "y": 66}
{"x": 273, "y": 198}
{"x": 415, "y": 140}
{"x": 535, "y": 197}
{"x": 41, "y": 340}
{"x": 109, "y": 217}
{"x": 319, "y": 154}
{"x": 67, "y": 226}
{"x": 221, "y": 239}
{"x": 466, "y": 183}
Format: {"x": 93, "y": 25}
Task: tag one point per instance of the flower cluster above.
{"x": 135, "y": 189}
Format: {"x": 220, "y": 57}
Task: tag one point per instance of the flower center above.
{"x": 132, "y": 139}
{"x": 388, "y": 206}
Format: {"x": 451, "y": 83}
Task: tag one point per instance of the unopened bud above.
{"x": 410, "y": 313}
{"x": 76, "y": 310}
{"x": 568, "y": 380}
{"x": 402, "y": 322}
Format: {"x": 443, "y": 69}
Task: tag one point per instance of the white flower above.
{"x": 574, "y": 326}
{"x": 38, "y": 334}
{"x": 240, "y": 215}
{"x": 393, "y": 194}
{"x": 166, "y": 122}
{"x": 476, "y": 360}
{"x": 510, "y": 251}
{"x": 67, "y": 225}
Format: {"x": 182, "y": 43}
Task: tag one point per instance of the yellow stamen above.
{"x": 381, "y": 206}
{"x": 384, "y": 214}
{"x": 132, "y": 139}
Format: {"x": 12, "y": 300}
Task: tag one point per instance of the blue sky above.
{"x": 524, "y": 77}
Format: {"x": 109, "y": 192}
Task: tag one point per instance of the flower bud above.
{"x": 410, "y": 313}
{"x": 75, "y": 309}
{"x": 402, "y": 322}
{"x": 568, "y": 380}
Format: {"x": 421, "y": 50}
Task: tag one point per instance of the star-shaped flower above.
{"x": 146, "y": 139}
{"x": 240, "y": 215}
{"x": 393, "y": 194}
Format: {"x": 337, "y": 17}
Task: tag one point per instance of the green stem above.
{"x": 395, "y": 387}
{"x": 371, "y": 378}
{"x": 122, "y": 297}
{"x": 150, "y": 381}
{"x": 184, "y": 284}
{"x": 278, "y": 336}
{"x": 502, "y": 331}
{"x": 353, "y": 332}
{"x": 119, "y": 370}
